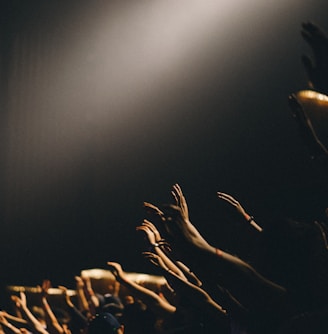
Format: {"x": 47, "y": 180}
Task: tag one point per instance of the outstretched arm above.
{"x": 179, "y": 227}
{"x": 157, "y": 304}
{"x": 7, "y": 326}
{"x": 250, "y": 219}
{"x": 78, "y": 321}
{"x": 20, "y": 303}
{"x": 191, "y": 276}
{"x": 197, "y": 295}
{"x": 18, "y": 322}
{"x": 154, "y": 239}
{"x": 52, "y": 323}
{"x": 255, "y": 289}
{"x": 81, "y": 297}
{"x": 89, "y": 293}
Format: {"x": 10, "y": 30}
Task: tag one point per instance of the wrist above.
{"x": 218, "y": 252}
{"x": 250, "y": 219}
{"x": 154, "y": 245}
{"x": 167, "y": 270}
{"x": 246, "y": 216}
{"x": 122, "y": 279}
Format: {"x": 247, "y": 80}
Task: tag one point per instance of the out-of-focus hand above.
{"x": 87, "y": 281}
{"x": 153, "y": 209}
{"x": 317, "y": 70}
{"x": 44, "y": 288}
{"x": 3, "y": 319}
{"x": 19, "y": 301}
{"x": 79, "y": 282}
{"x": 117, "y": 270}
{"x": 64, "y": 291}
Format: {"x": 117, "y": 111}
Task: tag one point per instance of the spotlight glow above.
{"x": 89, "y": 82}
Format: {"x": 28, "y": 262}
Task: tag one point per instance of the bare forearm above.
{"x": 51, "y": 319}
{"x": 82, "y": 299}
{"x": 14, "y": 319}
{"x": 236, "y": 265}
{"x": 169, "y": 263}
{"x": 33, "y": 321}
{"x": 195, "y": 294}
{"x": 150, "y": 298}
{"x": 9, "y": 328}
{"x": 248, "y": 286}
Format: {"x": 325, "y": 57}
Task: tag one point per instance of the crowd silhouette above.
{"x": 207, "y": 288}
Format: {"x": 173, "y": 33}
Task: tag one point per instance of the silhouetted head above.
{"x": 105, "y": 323}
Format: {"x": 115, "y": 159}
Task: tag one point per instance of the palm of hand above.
{"x": 179, "y": 226}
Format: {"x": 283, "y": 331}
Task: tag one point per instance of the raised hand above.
{"x": 156, "y": 260}
{"x": 87, "y": 282}
{"x": 79, "y": 282}
{"x": 81, "y": 296}
{"x": 148, "y": 231}
{"x": 317, "y": 69}
{"x": 64, "y": 291}
{"x": 19, "y": 301}
{"x": 116, "y": 270}
{"x": 3, "y": 319}
{"x": 89, "y": 293}
{"x": 157, "y": 212}
{"x": 154, "y": 236}
{"x": 180, "y": 200}
{"x": 153, "y": 229}
{"x": 44, "y": 288}
{"x": 151, "y": 208}
{"x": 8, "y": 327}
{"x": 229, "y": 199}
{"x": 181, "y": 229}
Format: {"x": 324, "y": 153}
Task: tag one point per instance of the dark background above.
{"x": 106, "y": 104}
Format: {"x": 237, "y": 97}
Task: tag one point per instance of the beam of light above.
{"x": 94, "y": 77}
{"x": 115, "y": 60}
